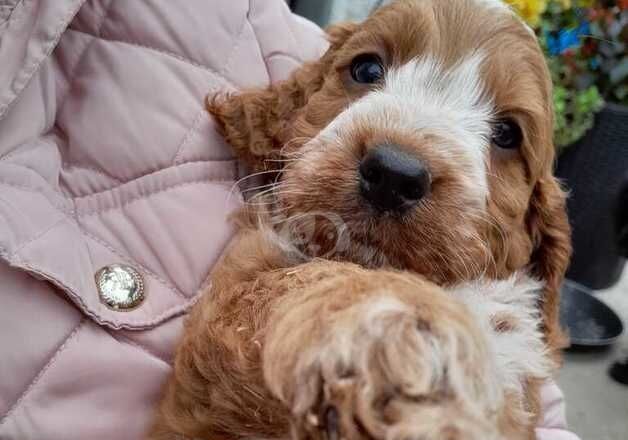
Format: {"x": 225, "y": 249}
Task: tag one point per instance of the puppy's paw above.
{"x": 387, "y": 368}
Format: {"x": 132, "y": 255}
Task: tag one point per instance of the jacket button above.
{"x": 120, "y": 287}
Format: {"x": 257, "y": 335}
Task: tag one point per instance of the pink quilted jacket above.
{"x": 107, "y": 157}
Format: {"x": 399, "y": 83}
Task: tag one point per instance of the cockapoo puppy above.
{"x": 398, "y": 278}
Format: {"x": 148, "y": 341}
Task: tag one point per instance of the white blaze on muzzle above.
{"x": 422, "y": 97}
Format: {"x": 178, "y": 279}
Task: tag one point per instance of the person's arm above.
{"x": 553, "y": 423}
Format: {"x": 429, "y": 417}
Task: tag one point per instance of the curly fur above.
{"x": 325, "y": 321}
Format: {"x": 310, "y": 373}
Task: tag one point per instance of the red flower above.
{"x": 589, "y": 48}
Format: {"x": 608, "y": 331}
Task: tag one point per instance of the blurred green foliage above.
{"x": 586, "y": 46}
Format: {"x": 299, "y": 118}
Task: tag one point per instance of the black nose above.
{"x": 391, "y": 180}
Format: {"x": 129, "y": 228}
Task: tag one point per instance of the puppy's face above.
{"x": 421, "y": 140}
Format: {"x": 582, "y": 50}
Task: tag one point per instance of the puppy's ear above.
{"x": 258, "y": 122}
{"x": 550, "y": 234}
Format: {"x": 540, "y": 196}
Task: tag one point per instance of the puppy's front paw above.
{"x": 390, "y": 368}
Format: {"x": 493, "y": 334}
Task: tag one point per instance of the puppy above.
{"x": 399, "y": 277}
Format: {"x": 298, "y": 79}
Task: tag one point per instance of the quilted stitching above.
{"x": 6, "y": 9}
{"x": 184, "y": 173}
{"x": 34, "y": 62}
{"x": 50, "y": 363}
{"x": 216, "y": 76}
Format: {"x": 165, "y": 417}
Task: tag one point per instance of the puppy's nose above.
{"x": 391, "y": 180}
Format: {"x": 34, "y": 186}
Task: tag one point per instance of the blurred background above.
{"x": 585, "y": 43}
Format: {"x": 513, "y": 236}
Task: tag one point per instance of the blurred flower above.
{"x": 566, "y": 39}
{"x": 567, "y": 4}
{"x": 585, "y": 3}
{"x": 585, "y": 44}
{"x": 530, "y": 10}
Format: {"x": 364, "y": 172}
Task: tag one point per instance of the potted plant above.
{"x": 586, "y": 46}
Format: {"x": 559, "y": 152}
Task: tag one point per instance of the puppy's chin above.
{"x": 321, "y": 213}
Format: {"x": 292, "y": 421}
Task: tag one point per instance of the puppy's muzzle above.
{"x": 392, "y": 180}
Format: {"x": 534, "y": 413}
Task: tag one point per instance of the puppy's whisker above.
{"x": 269, "y": 189}
{"x": 258, "y": 188}
{"x": 250, "y": 176}
{"x": 291, "y": 143}
{"x": 263, "y": 202}
{"x": 281, "y": 160}
{"x": 265, "y": 195}
{"x": 274, "y": 186}
{"x": 239, "y": 182}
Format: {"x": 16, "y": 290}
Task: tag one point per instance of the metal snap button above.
{"x": 120, "y": 287}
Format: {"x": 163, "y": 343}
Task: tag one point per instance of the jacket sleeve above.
{"x": 553, "y": 424}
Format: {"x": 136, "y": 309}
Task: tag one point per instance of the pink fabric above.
{"x": 107, "y": 156}
{"x": 553, "y": 425}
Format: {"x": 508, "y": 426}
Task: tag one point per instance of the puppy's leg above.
{"x": 328, "y": 350}
{"x": 382, "y": 355}
{"x": 217, "y": 389}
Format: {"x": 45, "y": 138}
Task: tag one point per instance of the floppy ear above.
{"x": 550, "y": 235}
{"x": 258, "y": 122}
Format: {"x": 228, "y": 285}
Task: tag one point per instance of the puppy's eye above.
{"x": 367, "y": 69}
{"x": 507, "y": 134}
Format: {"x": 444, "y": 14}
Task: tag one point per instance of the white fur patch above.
{"x": 499, "y": 4}
{"x": 422, "y": 97}
{"x": 493, "y": 4}
{"x": 518, "y": 352}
